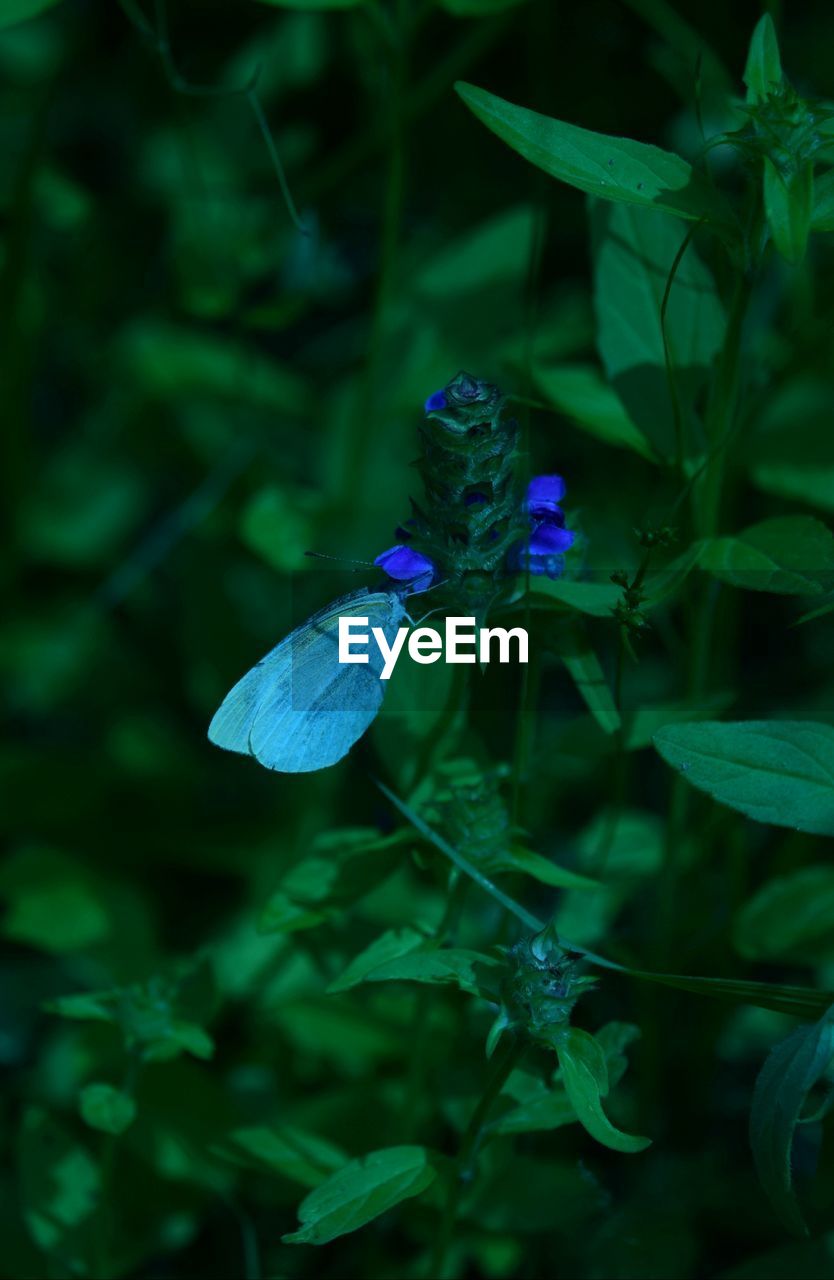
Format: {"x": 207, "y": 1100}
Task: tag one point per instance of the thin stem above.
{"x": 462, "y": 863}
{"x": 674, "y": 396}
{"x": 258, "y": 112}
{"x": 463, "y": 1166}
{"x": 160, "y": 41}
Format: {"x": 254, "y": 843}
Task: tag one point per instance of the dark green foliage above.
{"x": 537, "y": 983}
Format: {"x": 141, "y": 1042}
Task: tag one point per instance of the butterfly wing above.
{"x": 300, "y": 709}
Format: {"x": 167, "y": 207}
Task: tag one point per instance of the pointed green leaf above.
{"x": 611, "y": 168}
{"x": 580, "y": 392}
{"x": 361, "y": 1191}
{"x": 634, "y": 254}
{"x": 821, "y": 612}
{"x": 785, "y": 1080}
{"x": 287, "y": 1151}
{"x": 585, "y": 1076}
{"x": 790, "y": 555}
{"x": 544, "y": 1107}
{"x": 781, "y": 772}
{"x": 391, "y": 945}
{"x": 342, "y": 866}
{"x": 792, "y": 454}
{"x": 799, "y": 1002}
{"x": 790, "y": 918}
{"x": 469, "y": 970}
{"x": 528, "y": 862}
{"x": 763, "y": 72}
{"x": 789, "y": 202}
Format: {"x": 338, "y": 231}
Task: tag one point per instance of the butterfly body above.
{"x": 300, "y": 709}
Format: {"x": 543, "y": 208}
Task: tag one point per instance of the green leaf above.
{"x": 763, "y": 71}
{"x": 573, "y": 646}
{"x": 814, "y": 614}
{"x": 493, "y": 251}
{"x": 793, "y": 449}
{"x": 789, "y": 202}
{"x": 288, "y": 1152}
{"x": 391, "y": 945}
{"x": 462, "y": 862}
{"x": 597, "y": 599}
{"x": 585, "y": 1076}
{"x": 633, "y": 841}
{"x": 361, "y": 1191}
{"x": 469, "y": 970}
{"x": 104, "y": 1107}
{"x": 160, "y": 1017}
{"x": 664, "y": 583}
{"x": 791, "y": 555}
{"x": 51, "y": 903}
{"x": 799, "y": 1002}
{"x": 343, "y": 865}
{"x": 612, "y": 168}
{"x": 790, "y": 918}
{"x": 623, "y": 847}
{"x": 95, "y": 1007}
{"x": 634, "y": 252}
{"x": 528, "y": 862}
{"x": 580, "y": 392}
{"x": 172, "y": 361}
{"x": 541, "y": 1108}
{"x": 546, "y": 1107}
{"x": 12, "y": 11}
{"x": 785, "y": 1080}
{"x": 781, "y": 772}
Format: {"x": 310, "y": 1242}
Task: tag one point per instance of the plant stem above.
{"x": 470, "y": 1142}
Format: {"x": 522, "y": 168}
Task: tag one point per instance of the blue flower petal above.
{"x": 404, "y": 564}
{"x": 437, "y": 400}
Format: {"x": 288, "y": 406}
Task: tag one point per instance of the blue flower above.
{"x": 544, "y": 493}
{"x": 437, "y": 400}
{"x": 543, "y": 552}
{"x": 404, "y": 564}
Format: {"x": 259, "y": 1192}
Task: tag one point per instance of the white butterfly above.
{"x": 300, "y": 709}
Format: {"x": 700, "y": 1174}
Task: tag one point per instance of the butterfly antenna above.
{"x": 321, "y": 555}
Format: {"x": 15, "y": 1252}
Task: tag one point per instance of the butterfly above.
{"x": 300, "y": 709}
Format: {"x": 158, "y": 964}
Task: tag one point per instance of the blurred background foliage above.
{"x": 195, "y": 393}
